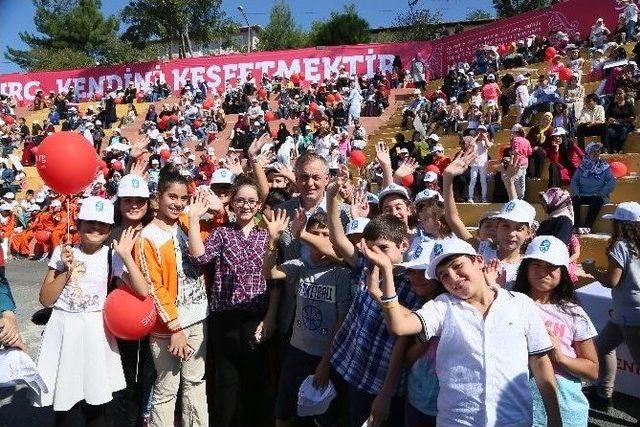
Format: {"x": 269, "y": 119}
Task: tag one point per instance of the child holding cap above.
{"x": 544, "y": 276}
{"x": 79, "y": 359}
{"x": 623, "y": 277}
{"x": 489, "y": 339}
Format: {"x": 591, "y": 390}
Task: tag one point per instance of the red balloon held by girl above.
{"x": 66, "y": 162}
{"x": 128, "y": 316}
{"x": 358, "y": 158}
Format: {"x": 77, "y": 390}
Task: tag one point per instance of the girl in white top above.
{"x": 513, "y": 230}
{"x": 480, "y": 145}
{"x": 544, "y": 277}
{"x": 79, "y": 359}
{"x": 522, "y": 95}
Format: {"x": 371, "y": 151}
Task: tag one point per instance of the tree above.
{"x": 341, "y": 28}
{"x": 175, "y": 21}
{"x": 478, "y": 15}
{"x": 281, "y": 32}
{"x": 74, "y": 33}
{"x": 417, "y": 24}
{"x": 506, "y": 8}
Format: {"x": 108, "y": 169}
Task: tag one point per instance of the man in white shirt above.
{"x": 591, "y": 120}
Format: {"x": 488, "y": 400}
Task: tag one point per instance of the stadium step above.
{"x": 627, "y": 189}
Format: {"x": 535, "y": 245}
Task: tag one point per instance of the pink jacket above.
{"x": 522, "y": 148}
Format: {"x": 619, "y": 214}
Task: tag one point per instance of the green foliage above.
{"x": 345, "y": 27}
{"x": 73, "y": 33}
{"x": 478, "y": 15}
{"x": 506, "y": 8}
{"x": 175, "y": 21}
{"x": 417, "y": 24}
{"x": 281, "y": 32}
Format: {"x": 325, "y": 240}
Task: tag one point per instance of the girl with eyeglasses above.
{"x": 243, "y": 308}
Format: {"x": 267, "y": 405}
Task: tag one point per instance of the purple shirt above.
{"x": 238, "y": 281}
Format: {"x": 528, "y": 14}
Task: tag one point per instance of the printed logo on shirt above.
{"x": 545, "y": 245}
{"x": 418, "y": 251}
{"x": 315, "y": 292}
{"x": 311, "y": 317}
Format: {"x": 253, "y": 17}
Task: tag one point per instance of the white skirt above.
{"x": 78, "y": 360}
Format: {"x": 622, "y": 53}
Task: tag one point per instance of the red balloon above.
{"x": 102, "y": 164}
{"x": 618, "y": 169}
{"x": 407, "y": 180}
{"x": 358, "y": 158}
{"x": 207, "y": 104}
{"x": 34, "y": 150}
{"x": 173, "y": 118}
{"x": 42, "y": 236}
{"x": 66, "y": 162}
{"x": 117, "y": 165}
{"x": 432, "y": 168}
{"x": 313, "y": 107}
{"x": 128, "y": 316}
{"x": 550, "y": 52}
{"x": 502, "y": 49}
{"x": 262, "y": 93}
{"x": 197, "y": 124}
{"x": 295, "y": 78}
{"x": 9, "y": 119}
{"x": 565, "y": 74}
{"x": 331, "y": 99}
{"x": 269, "y": 116}
{"x": 165, "y": 154}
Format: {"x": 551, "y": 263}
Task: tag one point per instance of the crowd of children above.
{"x": 277, "y": 274}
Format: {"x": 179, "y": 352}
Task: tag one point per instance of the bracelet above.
{"x": 389, "y": 299}
{"x": 388, "y": 305}
{"x": 272, "y": 247}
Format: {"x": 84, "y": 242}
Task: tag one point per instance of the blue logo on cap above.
{"x": 437, "y": 249}
{"x": 418, "y": 251}
{"x": 223, "y": 174}
{"x": 545, "y": 245}
{"x": 99, "y": 206}
{"x": 135, "y": 183}
{"x": 509, "y": 207}
{"x": 354, "y": 224}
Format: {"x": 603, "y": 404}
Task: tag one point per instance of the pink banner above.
{"x": 314, "y": 64}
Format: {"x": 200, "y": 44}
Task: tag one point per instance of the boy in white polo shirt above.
{"x": 489, "y": 338}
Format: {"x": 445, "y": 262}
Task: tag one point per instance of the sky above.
{"x": 17, "y": 15}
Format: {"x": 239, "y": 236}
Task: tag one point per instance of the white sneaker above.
{"x": 469, "y": 200}
{"x": 584, "y": 230}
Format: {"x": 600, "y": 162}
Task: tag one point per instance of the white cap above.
{"x": 372, "y": 198}
{"x": 356, "y": 226}
{"x": 55, "y": 203}
{"x": 314, "y": 401}
{"x": 430, "y": 176}
{"x": 627, "y": 211}
{"x": 6, "y": 207}
{"x": 176, "y": 160}
{"x": 491, "y": 77}
{"x": 416, "y": 92}
{"x": 516, "y": 128}
{"x": 96, "y": 209}
{"x": 420, "y": 256}
{"x": 549, "y": 249}
{"x": 445, "y": 248}
{"x": 481, "y": 127}
{"x": 223, "y": 176}
{"x": 434, "y": 137}
{"x": 155, "y": 162}
{"x": 559, "y": 131}
{"x": 520, "y": 78}
{"x": 9, "y": 195}
{"x": 518, "y": 211}
{"x": 427, "y": 194}
{"x": 393, "y": 189}
{"x": 132, "y": 185}
{"x": 438, "y": 147}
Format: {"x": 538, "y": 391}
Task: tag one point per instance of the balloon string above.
{"x": 68, "y": 222}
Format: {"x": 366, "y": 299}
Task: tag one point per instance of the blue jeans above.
{"x": 631, "y": 30}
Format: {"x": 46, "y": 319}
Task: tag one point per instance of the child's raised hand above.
{"x": 375, "y": 255}
{"x": 139, "y": 167}
{"x": 512, "y": 167}
{"x": 382, "y": 153}
{"x": 360, "y": 206}
{"x": 492, "y": 272}
{"x": 213, "y": 201}
{"x": 299, "y": 223}
{"x": 124, "y": 245}
{"x": 460, "y": 164}
{"x": 278, "y": 224}
{"x": 408, "y": 167}
{"x": 199, "y": 206}
{"x": 66, "y": 256}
